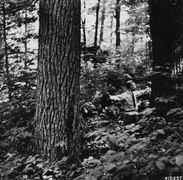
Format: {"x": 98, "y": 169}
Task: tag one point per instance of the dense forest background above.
{"x": 50, "y": 130}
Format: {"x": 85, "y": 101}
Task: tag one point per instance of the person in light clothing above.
{"x": 129, "y": 99}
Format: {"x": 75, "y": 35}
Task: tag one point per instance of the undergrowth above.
{"x": 151, "y": 149}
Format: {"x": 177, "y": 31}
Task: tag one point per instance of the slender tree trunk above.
{"x": 133, "y": 43}
{"x": 84, "y": 25}
{"x": 84, "y": 31}
{"x": 111, "y": 29}
{"x": 56, "y": 121}
{"x": 102, "y": 22}
{"x": 132, "y": 9}
{"x": 118, "y": 12}
{"x": 6, "y": 54}
{"x": 25, "y": 41}
{"x": 96, "y": 24}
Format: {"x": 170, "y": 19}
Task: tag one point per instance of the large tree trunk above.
{"x": 56, "y": 120}
{"x": 118, "y": 12}
{"x": 166, "y": 30}
{"x": 161, "y": 43}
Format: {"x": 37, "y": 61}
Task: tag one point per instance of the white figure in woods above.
{"x": 129, "y": 99}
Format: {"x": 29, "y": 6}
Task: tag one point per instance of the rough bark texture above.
{"x": 118, "y": 12}
{"x": 57, "y": 123}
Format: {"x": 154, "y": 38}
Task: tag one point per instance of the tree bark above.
{"x": 166, "y": 30}
{"x": 57, "y": 111}
{"x": 118, "y": 12}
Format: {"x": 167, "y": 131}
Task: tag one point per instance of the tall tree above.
{"x": 117, "y": 16}
{"x": 111, "y": 29}
{"x": 25, "y": 40}
{"x": 102, "y": 22}
{"x": 97, "y": 23}
{"x": 84, "y": 24}
{"x": 56, "y": 120}
{"x": 167, "y": 47}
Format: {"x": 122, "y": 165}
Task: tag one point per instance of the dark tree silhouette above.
{"x": 117, "y": 16}
{"x": 97, "y": 23}
{"x": 166, "y": 32}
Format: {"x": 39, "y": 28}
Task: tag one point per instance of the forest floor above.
{"x": 150, "y": 149}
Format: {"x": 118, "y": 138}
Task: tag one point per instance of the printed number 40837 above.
{"x": 173, "y": 178}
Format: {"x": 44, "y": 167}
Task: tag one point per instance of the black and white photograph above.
{"x": 91, "y": 89}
